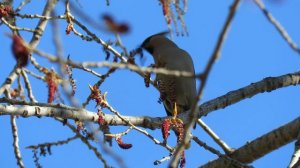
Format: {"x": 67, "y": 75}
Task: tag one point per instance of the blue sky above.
{"x": 253, "y": 50}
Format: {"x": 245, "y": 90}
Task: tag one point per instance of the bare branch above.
{"x": 9, "y": 80}
{"x": 28, "y": 86}
{"x": 139, "y": 70}
{"x": 22, "y": 4}
{"x": 42, "y": 23}
{"x": 295, "y": 160}
{"x": 165, "y": 158}
{"x": 278, "y": 26}
{"x": 156, "y": 141}
{"x": 232, "y": 162}
{"x": 98, "y": 40}
{"x": 13, "y": 28}
{"x": 261, "y": 146}
{"x": 56, "y": 143}
{"x": 266, "y": 85}
{"x": 63, "y": 111}
{"x": 16, "y": 141}
{"x": 33, "y": 43}
{"x": 120, "y": 134}
{"x": 98, "y": 84}
{"x": 215, "y": 137}
{"x": 91, "y": 147}
{"x": 37, "y": 16}
{"x": 42, "y": 78}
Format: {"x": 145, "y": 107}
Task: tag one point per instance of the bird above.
{"x": 179, "y": 91}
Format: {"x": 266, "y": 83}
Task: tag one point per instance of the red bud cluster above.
{"x": 5, "y": 10}
{"x": 166, "y": 9}
{"x": 166, "y": 128}
{"x": 101, "y": 120}
{"x": 177, "y": 124}
{"x": 97, "y": 96}
{"x": 179, "y": 130}
{"x": 122, "y": 144}
{"x": 113, "y": 26}
{"x": 20, "y": 51}
{"x": 70, "y": 26}
{"x": 52, "y": 81}
{"x": 17, "y": 93}
{"x": 79, "y": 125}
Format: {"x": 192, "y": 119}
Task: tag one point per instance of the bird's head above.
{"x": 156, "y": 41}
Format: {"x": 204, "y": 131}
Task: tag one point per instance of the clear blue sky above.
{"x": 253, "y": 50}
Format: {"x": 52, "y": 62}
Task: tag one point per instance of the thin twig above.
{"x": 14, "y": 129}
{"x": 69, "y": 62}
{"x": 16, "y": 141}
{"x": 261, "y": 146}
{"x": 120, "y": 134}
{"x": 98, "y": 84}
{"x": 90, "y": 146}
{"x": 284, "y": 34}
{"x": 42, "y": 78}
{"x": 15, "y": 28}
{"x": 55, "y": 143}
{"x": 98, "y": 40}
{"x": 37, "y": 16}
{"x": 132, "y": 67}
{"x": 22, "y": 4}
{"x": 165, "y": 158}
{"x": 139, "y": 129}
{"x": 215, "y": 137}
{"x": 219, "y": 154}
{"x": 9, "y": 80}
{"x": 28, "y": 86}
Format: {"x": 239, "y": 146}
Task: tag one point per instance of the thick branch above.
{"x": 266, "y": 85}
{"x": 42, "y": 23}
{"x": 43, "y": 109}
{"x": 261, "y": 146}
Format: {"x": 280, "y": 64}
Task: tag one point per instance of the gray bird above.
{"x": 167, "y": 54}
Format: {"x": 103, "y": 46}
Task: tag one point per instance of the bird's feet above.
{"x": 174, "y": 118}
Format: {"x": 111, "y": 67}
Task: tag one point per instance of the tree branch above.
{"x": 215, "y": 137}
{"x": 261, "y": 146}
{"x": 59, "y": 110}
{"x": 278, "y": 26}
{"x": 16, "y": 141}
{"x": 266, "y": 85}
{"x": 295, "y": 160}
